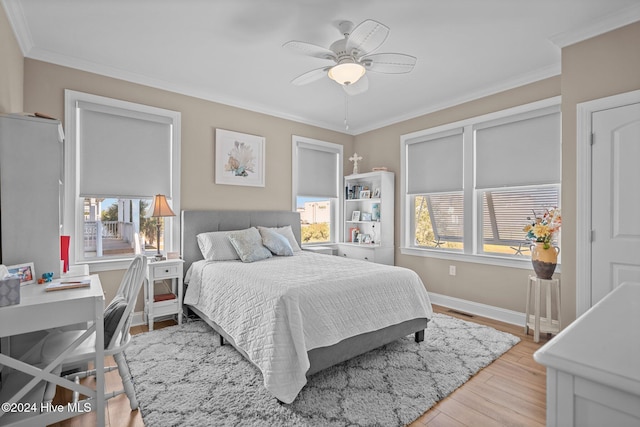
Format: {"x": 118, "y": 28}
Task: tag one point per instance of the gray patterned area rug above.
{"x": 183, "y": 377}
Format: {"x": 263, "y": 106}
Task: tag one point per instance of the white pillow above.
{"x": 248, "y": 245}
{"x": 275, "y": 242}
{"x": 215, "y": 246}
{"x": 287, "y": 232}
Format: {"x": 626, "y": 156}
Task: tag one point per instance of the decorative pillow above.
{"x": 248, "y": 245}
{"x": 275, "y": 242}
{"x": 112, "y": 315}
{"x": 287, "y": 232}
{"x": 215, "y": 246}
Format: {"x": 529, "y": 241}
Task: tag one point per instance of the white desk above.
{"x": 39, "y": 310}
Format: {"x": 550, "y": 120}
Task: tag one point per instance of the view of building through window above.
{"x": 315, "y": 219}
{"x": 110, "y": 225}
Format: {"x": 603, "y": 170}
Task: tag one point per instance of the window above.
{"x": 317, "y": 177}
{"x": 504, "y": 213}
{"x": 118, "y": 156}
{"x": 436, "y": 189}
{"x": 468, "y": 187}
{"x": 439, "y": 221}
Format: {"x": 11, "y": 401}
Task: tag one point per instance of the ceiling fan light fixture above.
{"x": 346, "y": 73}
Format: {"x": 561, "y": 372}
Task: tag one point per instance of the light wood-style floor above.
{"x": 509, "y": 392}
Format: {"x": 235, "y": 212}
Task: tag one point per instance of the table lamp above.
{"x": 161, "y": 209}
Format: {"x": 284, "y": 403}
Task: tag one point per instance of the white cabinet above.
{"x": 593, "y": 369}
{"x": 164, "y": 302}
{"x": 31, "y": 179}
{"x": 368, "y": 214}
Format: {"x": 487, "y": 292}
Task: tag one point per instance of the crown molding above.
{"x": 18, "y": 22}
{"x": 183, "y": 89}
{"x": 532, "y": 77}
{"x": 200, "y": 93}
{"x": 608, "y": 23}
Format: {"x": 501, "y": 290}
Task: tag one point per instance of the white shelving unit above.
{"x": 375, "y": 221}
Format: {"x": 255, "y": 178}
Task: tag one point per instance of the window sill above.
{"x": 110, "y": 264}
{"x": 106, "y": 264}
{"x": 522, "y": 263}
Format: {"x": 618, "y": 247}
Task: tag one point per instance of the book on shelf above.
{"x": 163, "y": 297}
{"x": 67, "y": 284}
{"x": 352, "y": 192}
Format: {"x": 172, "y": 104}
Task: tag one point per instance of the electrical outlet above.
{"x": 452, "y": 270}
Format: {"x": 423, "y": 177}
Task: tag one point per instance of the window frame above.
{"x": 472, "y": 232}
{"x": 73, "y": 212}
{"x": 336, "y": 203}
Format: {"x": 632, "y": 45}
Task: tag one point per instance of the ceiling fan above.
{"x": 353, "y": 56}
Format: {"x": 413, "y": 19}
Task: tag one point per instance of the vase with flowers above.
{"x": 542, "y": 230}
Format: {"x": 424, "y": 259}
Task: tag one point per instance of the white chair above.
{"x": 117, "y": 321}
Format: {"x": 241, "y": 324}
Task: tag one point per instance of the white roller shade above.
{"x": 123, "y": 153}
{"x": 521, "y": 152}
{"x": 435, "y": 163}
{"x": 317, "y": 171}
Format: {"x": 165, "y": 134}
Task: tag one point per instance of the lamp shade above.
{"x": 161, "y": 207}
{"x": 346, "y": 73}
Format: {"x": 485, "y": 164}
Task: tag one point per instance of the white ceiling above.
{"x": 230, "y": 51}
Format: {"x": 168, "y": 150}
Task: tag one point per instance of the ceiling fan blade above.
{"x": 366, "y": 37}
{"x": 358, "y": 87}
{"x": 389, "y": 63}
{"x": 310, "y": 49}
{"x": 310, "y": 76}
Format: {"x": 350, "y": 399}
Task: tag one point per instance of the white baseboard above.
{"x": 478, "y": 309}
{"x": 138, "y": 319}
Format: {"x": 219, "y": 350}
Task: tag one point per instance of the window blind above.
{"x": 505, "y": 212}
{"x": 522, "y": 151}
{"x": 435, "y": 164}
{"x": 317, "y": 171}
{"x": 122, "y": 152}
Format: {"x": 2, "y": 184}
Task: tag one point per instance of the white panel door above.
{"x": 615, "y": 212}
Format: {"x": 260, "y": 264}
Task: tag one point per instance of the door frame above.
{"x": 585, "y": 111}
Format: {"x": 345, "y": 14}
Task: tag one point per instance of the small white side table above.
{"x": 154, "y": 307}
{"x": 533, "y": 320}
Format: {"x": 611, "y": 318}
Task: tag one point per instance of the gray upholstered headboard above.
{"x": 196, "y": 222}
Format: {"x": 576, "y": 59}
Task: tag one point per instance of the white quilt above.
{"x": 279, "y": 308}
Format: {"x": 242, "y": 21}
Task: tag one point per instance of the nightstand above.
{"x": 164, "y": 303}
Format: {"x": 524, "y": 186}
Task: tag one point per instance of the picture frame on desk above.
{"x": 364, "y": 238}
{"x": 26, "y": 272}
{"x": 366, "y": 216}
{"x": 355, "y": 216}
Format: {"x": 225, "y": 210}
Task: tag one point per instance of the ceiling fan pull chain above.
{"x": 346, "y": 111}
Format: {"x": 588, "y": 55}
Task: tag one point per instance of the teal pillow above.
{"x": 248, "y": 245}
{"x": 275, "y": 242}
{"x": 112, "y": 315}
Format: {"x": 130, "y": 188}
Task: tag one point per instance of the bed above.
{"x": 293, "y": 316}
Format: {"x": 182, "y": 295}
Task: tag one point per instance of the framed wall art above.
{"x": 239, "y": 158}
{"x": 25, "y": 272}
